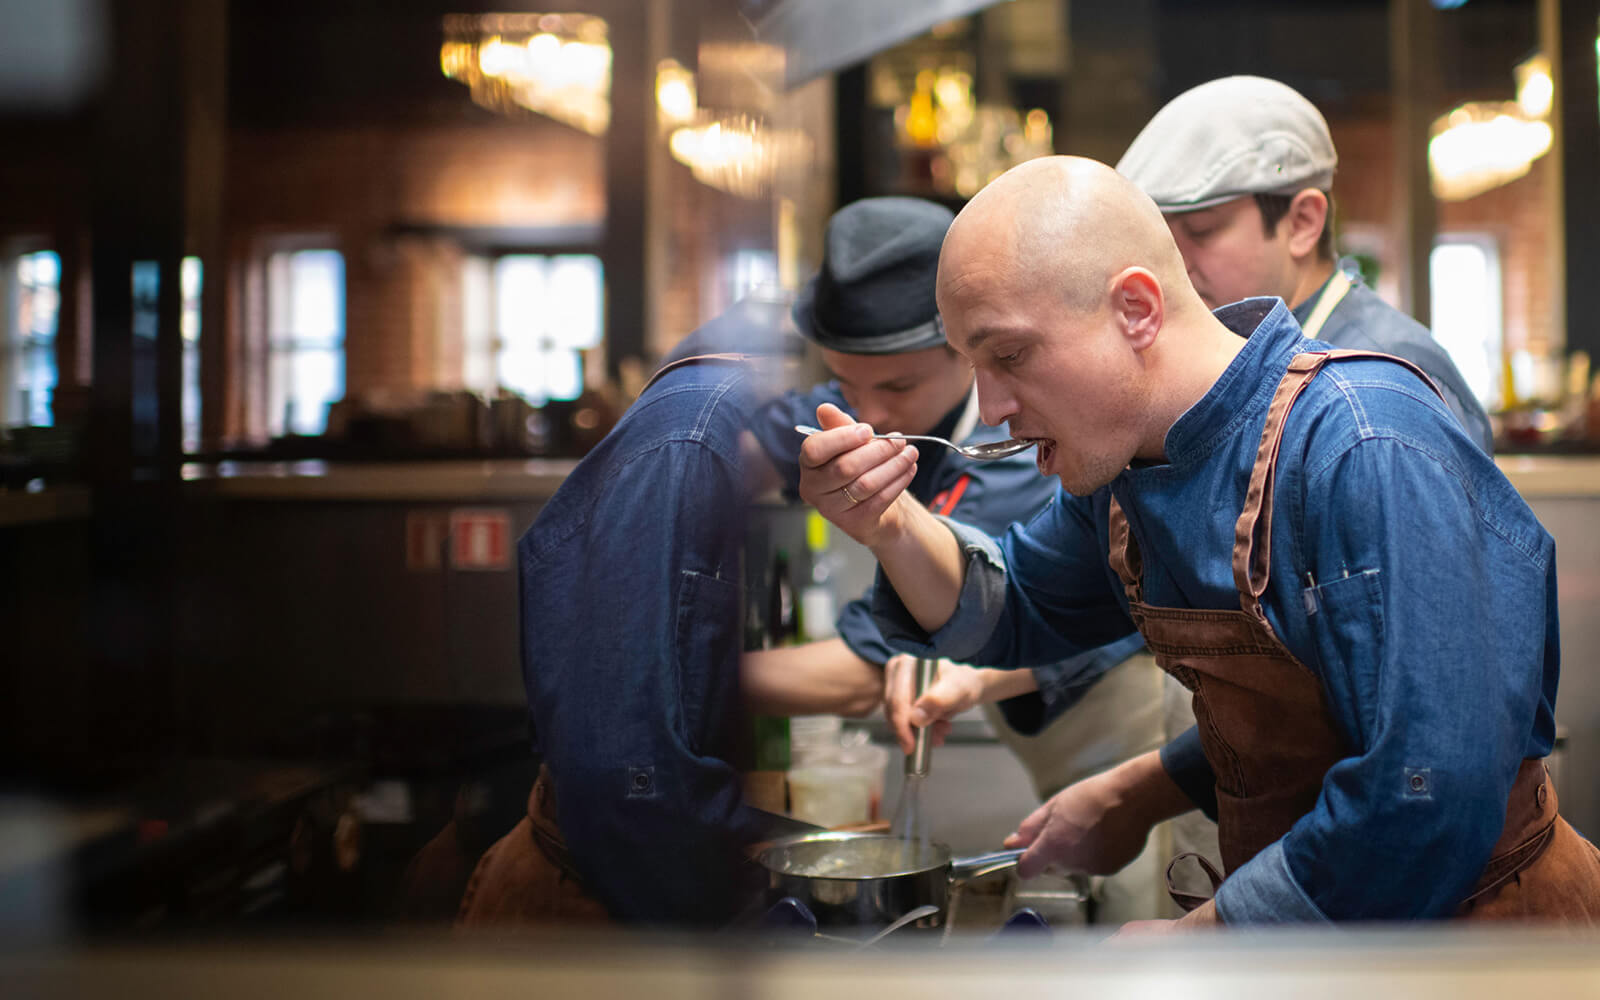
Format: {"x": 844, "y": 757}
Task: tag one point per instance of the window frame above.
{"x": 488, "y": 256}
{"x": 264, "y": 349}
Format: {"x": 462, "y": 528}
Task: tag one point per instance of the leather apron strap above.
{"x": 1191, "y": 901}
{"x": 695, "y": 359}
{"x": 1252, "y": 535}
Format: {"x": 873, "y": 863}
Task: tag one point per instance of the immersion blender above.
{"x": 908, "y": 819}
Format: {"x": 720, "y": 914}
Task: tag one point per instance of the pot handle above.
{"x": 967, "y": 869}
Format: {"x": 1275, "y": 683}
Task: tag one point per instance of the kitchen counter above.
{"x": 1537, "y": 476}
{"x": 450, "y": 481}
{"x": 53, "y": 503}
{"x": 537, "y": 479}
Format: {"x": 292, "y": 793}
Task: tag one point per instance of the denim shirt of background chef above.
{"x": 988, "y": 495}
{"x": 630, "y": 591}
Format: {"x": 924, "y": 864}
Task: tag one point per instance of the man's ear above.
{"x": 1306, "y": 218}
{"x": 1139, "y": 306}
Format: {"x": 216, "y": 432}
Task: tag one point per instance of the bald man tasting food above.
{"x": 1362, "y": 606}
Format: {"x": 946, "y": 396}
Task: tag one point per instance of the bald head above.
{"x": 1062, "y": 223}
{"x": 1061, "y": 284}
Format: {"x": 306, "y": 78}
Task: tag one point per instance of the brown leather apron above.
{"x": 1265, "y": 726}
{"x": 527, "y": 877}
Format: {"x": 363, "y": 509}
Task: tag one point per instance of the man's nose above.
{"x": 995, "y": 406}
{"x": 871, "y": 411}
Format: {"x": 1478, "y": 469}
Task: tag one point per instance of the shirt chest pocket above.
{"x": 1346, "y": 619}
{"x": 706, "y": 647}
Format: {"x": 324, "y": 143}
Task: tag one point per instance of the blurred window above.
{"x": 305, "y": 339}
{"x": 28, "y": 365}
{"x": 1464, "y": 275}
{"x": 749, "y": 270}
{"x": 191, "y": 277}
{"x": 527, "y": 321}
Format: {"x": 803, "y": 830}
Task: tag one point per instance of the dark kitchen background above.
{"x": 305, "y": 317}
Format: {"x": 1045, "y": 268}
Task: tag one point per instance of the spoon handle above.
{"x": 808, "y": 430}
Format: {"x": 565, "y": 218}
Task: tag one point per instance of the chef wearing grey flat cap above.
{"x": 1242, "y": 168}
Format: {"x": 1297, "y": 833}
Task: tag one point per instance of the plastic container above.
{"x": 841, "y": 786}
{"x": 830, "y": 795}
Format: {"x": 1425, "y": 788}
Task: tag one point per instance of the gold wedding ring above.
{"x": 845, "y": 489}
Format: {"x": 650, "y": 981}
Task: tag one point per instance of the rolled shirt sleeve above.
{"x": 1037, "y": 595}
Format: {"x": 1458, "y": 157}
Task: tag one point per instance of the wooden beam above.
{"x": 1414, "y": 75}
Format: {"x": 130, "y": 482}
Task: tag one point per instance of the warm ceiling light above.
{"x": 675, "y": 94}
{"x": 558, "y": 65}
{"x": 1535, "y": 90}
{"x": 739, "y": 153}
{"x": 1478, "y": 147}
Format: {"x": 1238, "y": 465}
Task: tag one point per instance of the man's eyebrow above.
{"x": 978, "y": 336}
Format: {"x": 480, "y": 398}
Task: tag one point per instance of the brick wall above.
{"x": 354, "y": 187}
{"x": 1514, "y": 214}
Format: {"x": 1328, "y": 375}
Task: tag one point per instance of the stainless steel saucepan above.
{"x": 867, "y": 880}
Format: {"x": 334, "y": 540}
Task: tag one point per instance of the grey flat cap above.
{"x": 874, "y": 293}
{"x": 1234, "y": 136}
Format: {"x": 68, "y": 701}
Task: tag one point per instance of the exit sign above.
{"x": 480, "y": 539}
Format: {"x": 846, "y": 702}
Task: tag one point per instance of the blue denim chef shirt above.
{"x": 993, "y": 495}
{"x": 631, "y": 642}
{"x": 1406, "y": 573}
{"x": 1363, "y": 322}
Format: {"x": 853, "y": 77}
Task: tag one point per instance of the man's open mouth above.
{"x": 1044, "y": 450}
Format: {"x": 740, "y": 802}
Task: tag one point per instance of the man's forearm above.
{"x": 816, "y": 678}
{"x": 1144, "y": 786}
{"x": 998, "y": 685}
{"x": 924, "y": 562}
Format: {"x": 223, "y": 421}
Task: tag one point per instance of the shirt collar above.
{"x": 1302, "y": 312}
{"x": 1271, "y": 338}
{"x": 1352, "y": 271}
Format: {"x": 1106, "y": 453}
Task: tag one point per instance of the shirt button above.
{"x": 1418, "y": 783}
{"x": 641, "y": 782}
{"x": 1544, "y": 793}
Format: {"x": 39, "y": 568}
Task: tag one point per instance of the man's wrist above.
{"x": 1143, "y": 785}
{"x": 894, "y": 527}
{"x": 998, "y": 685}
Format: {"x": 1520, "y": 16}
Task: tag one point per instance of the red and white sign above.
{"x": 426, "y": 533}
{"x": 480, "y": 538}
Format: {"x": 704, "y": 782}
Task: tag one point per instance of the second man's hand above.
{"x": 955, "y": 688}
{"x": 1101, "y": 823}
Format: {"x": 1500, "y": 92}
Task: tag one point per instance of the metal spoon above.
{"x": 910, "y": 916}
{"x": 978, "y": 452}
